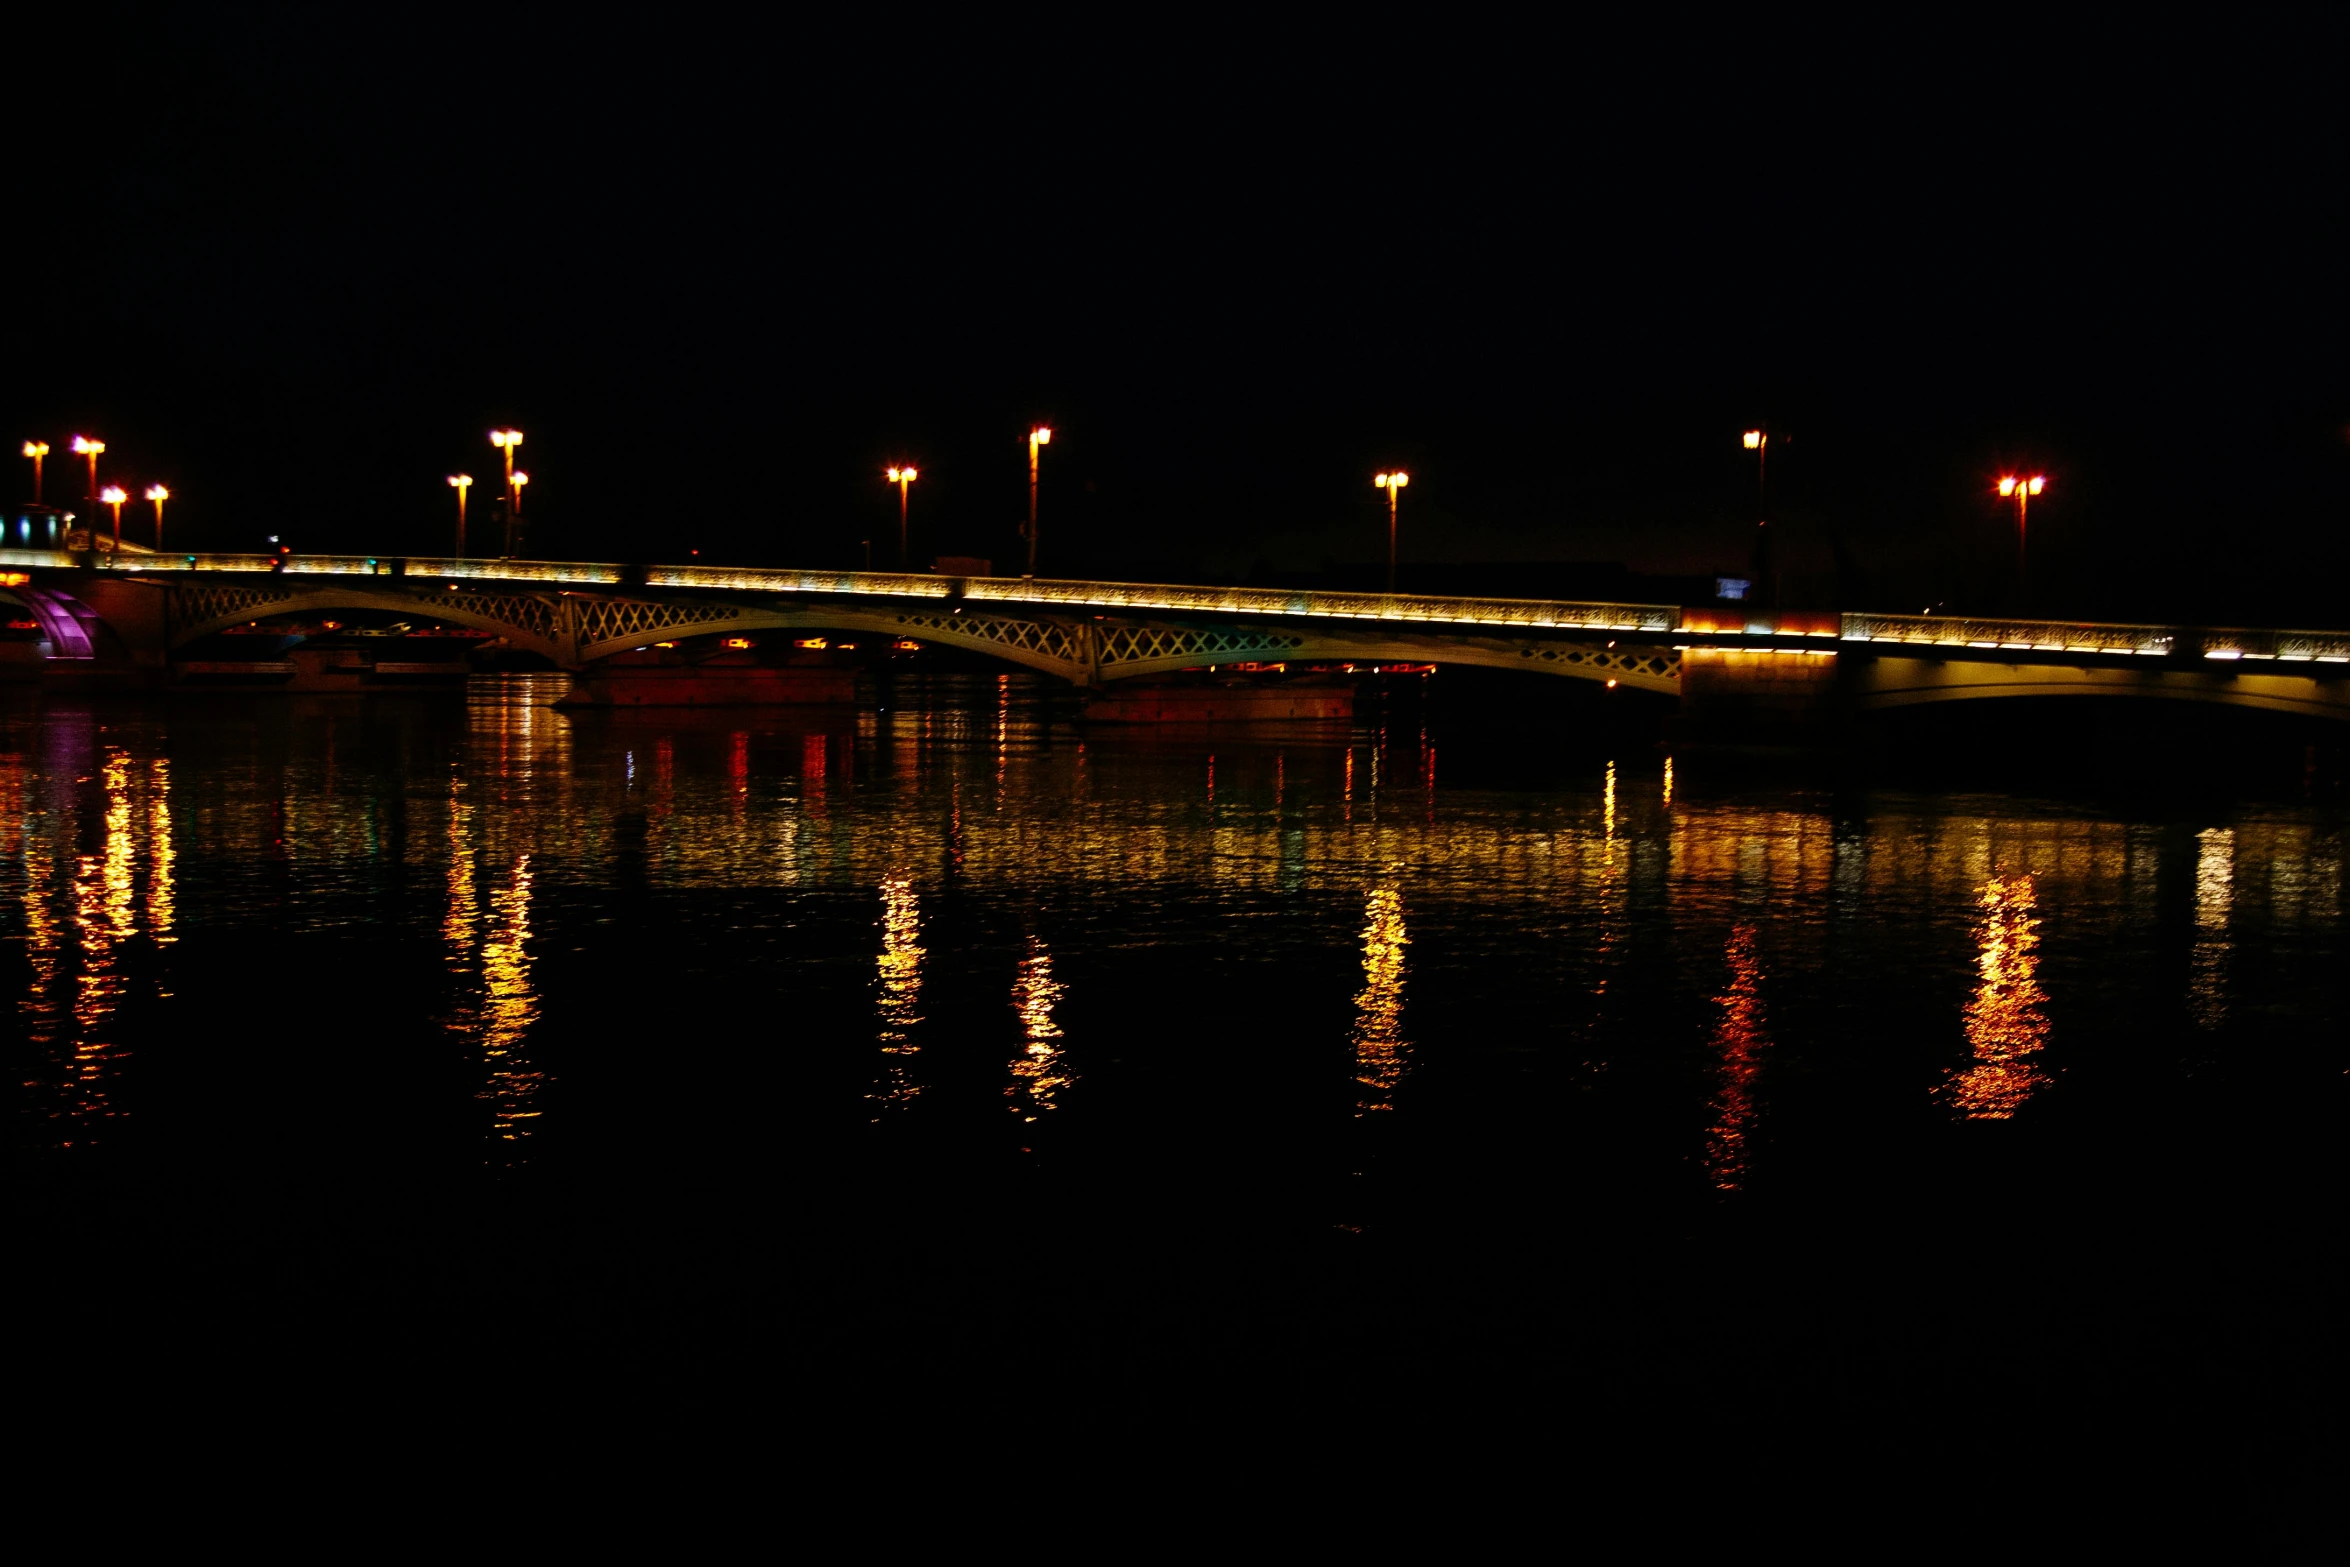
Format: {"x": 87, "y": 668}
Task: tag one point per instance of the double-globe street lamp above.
{"x": 114, "y": 495}
{"x": 460, "y": 482}
{"x": 158, "y": 494}
{"x": 901, "y": 477}
{"x": 83, "y": 446}
{"x": 506, "y": 441}
{"x": 2021, "y": 489}
{"x": 36, "y": 450}
{"x": 1393, "y": 484}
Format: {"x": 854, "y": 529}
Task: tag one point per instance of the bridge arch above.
{"x": 1884, "y": 684}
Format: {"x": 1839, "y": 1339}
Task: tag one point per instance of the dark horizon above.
{"x": 316, "y": 288}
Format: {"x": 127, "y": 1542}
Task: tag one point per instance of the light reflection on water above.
{"x": 1595, "y": 920}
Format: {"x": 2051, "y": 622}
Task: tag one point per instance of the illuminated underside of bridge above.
{"x": 574, "y": 614}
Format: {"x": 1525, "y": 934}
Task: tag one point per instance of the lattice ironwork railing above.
{"x": 527, "y": 612}
{"x": 2043, "y": 636}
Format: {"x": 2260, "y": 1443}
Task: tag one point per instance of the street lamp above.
{"x": 114, "y": 496}
{"x": 1759, "y": 443}
{"x": 158, "y": 494}
{"x": 2022, "y": 490}
{"x": 1393, "y": 484}
{"x": 36, "y": 450}
{"x": 85, "y": 447}
{"x": 460, "y": 482}
{"x": 515, "y": 481}
{"x": 901, "y": 477}
{"x": 505, "y": 441}
{"x": 1042, "y": 435}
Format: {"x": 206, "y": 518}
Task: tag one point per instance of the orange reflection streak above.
{"x": 509, "y": 1006}
{"x": 2005, "y": 1022}
{"x": 1739, "y": 1041}
{"x": 900, "y": 967}
{"x": 1380, "y": 1048}
{"x": 1668, "y": 780}
{"x": 2215, "y": 896}
{"x": 1038, "y": 1073}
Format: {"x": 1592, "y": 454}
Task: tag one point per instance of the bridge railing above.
{"x": 2221, "y": 644}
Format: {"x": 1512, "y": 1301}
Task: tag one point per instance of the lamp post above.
{"x": 85, "y": 447}
{"x": 1759, "y": 443}
{"x": 114, "y": 496}
{"x": 460, "y": 482}
{"x": 514, "y": 481}
{"x": 158, "y": 494}
{"x": 1042, "y": 435}
{"x": 2022, "y": 489}
{"x": 1393, "y": 484}
{"x": 901, "y": 477}
{"x": 505, "y": 441}
{"x": 36, "y": 450}
{"x": 1764, "y": 568}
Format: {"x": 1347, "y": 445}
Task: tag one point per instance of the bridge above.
{"x": 147, "y": 608}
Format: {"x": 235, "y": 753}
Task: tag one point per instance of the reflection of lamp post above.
{"x": 460, "y": 482}
{"x": 85, "y": 447}
{"x": 36, "y": 450}
{"x": 901, "y": 477}
{"x": 158, "y": 494}
{"x": 515, "y": 482}
{"x": 113, "y": 496}
{"x": 1393, "y": 484}
{"x": 1042, "y": 435}
{"x": 2023, "y": 490}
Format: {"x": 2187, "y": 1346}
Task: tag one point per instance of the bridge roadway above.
{"x": 575, "y": 613}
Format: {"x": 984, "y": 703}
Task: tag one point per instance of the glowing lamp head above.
{"x": 36, "y": 448}
{"x": 1042, "y": 435}
{"x": 459, "y": 481}
{"x": 1391, "y": 481}
{"x": 2039, "y": 483}
{"x": 902, "y": 476}
{"x": 505, "y": 437}
{"x": 520, "y": 478}
{"x": 2007, "y": 484}
{"x": 85, "y": 447}
{"x": 113, "y": 495}
{"x": 1754, "y": 440}
{"x": 156, "y": 492}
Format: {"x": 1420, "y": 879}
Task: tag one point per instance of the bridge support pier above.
{"x": 1757, "y": 697}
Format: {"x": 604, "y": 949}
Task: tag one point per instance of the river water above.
{"x": 1050, "y": 1074}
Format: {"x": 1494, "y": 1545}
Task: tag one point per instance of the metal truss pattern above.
{"x": 1046, "y": 639}
{"x": 602, "y": 622}
{"x": 202, "y": 603}
{"x": 2040, "y": 636}
{"x": 531, "y": 614}
{"x": 1653, "y": 663}
{"x": 1151, "y": 644}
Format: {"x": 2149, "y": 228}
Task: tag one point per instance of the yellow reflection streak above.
{"x": 1380, "y": 1048}
{"x": 1038, "y": 1074}
{"x": 159, "y": 852}
{"x": 102, "y": 918}
{"x": 1607, "y": 800}
{"x": 457, "y": 926}
{"x": 1739, "y": 1041}
{"x": 2005, "y": 1022}
{"x": 900, "y": 967}
{"x": 2215, "y": 896}
{"x": 509, "y": 1006}
{"x": 1668, "y": 780}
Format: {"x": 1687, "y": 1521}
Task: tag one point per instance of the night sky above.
{"x": 296, "y": 269}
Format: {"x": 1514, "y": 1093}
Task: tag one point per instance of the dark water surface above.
{"x": 1462, "y": 1097}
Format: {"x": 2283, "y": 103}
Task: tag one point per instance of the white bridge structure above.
{"x": 573, "y": 614}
